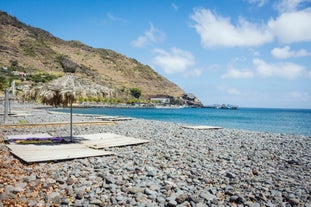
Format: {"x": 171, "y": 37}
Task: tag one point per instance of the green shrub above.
{"x": 135, "y": 92}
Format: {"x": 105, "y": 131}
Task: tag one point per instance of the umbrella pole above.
{"x": 71, "y": 139}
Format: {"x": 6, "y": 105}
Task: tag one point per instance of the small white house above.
{"x": 160, "y": 98}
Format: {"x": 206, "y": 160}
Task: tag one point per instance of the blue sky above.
{"x": 251, "y": 53}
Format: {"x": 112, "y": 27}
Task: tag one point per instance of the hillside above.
{"x": 34, "y": 51}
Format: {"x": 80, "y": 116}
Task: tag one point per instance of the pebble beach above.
{"x": 178, "y": 167}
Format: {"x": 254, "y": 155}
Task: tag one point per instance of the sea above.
{"x": 289, "y": 121}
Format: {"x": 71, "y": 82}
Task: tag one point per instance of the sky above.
{"x": 250, "y": 53}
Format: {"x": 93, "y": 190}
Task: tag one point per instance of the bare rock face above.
{"x": 191, "y": 100}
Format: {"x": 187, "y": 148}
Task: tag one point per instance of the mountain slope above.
{"x": 31, "y": 49}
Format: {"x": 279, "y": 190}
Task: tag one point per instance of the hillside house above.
{"x": 164, "y": 99}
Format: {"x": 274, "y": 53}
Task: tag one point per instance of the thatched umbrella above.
{"x": 65, "y": 90}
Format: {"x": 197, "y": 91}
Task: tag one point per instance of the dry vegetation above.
{"x": 38, "y": 50}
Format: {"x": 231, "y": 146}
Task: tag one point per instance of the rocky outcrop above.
{"x": 191, "y": 100}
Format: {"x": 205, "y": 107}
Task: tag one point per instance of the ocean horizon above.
{"x": 276, "y": 120}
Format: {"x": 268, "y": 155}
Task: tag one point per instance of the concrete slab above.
{"x": 51, "y": 124}
{"x": 201, "y": 127}
{"x": 41, "y": 153}
{"x": 114, "y": 118}
{"x": 105, "y": 140}
{"x": 87, "y": 145}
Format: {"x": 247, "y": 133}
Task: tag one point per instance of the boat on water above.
{"x": 223, "y": 106}
{"x": 168, "y": 107}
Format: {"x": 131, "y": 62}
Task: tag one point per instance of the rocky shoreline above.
{"x": 179, "y": 167}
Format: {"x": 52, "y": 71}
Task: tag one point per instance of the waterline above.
{"x": 290, "y": 121}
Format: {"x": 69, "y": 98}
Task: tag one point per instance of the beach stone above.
{"x": 113, "y": 187}
{"x": 201, "y": 205}
{"x": 9, "y": 188}
{"x": 152, "y": 196}
{"x": 134, "y": 190}
{"x": 57, "y": 200}
{"x": 251, "y": 204}
{"x": 294, "y": 201}
{"x": 194, "y": 199}
{"x": 181, "y": 198}
{"x": 269, "y": 204}
{"x": 70, "y": 181}
{"x": 234, "y": 198}
{"x": 151, "y": 173}
{"x": 32, "y": 202}
{"x": 160, "y": 199}
{"x": 95, "y": 201}
{"x": 60, "y": 181}
{"x": 147, "y": 191}
{"x": 3, "y": 196}
{"x": 79, "y": 195}
{"x": 207, "y": 196}
{"x": 110, "y": 180}
{"x": 229, "y": 188}
{"x": 120, "y": 198}
{"x": 53, "y": 195}
{"x": 65, "y": 201}
{"x": 154, "y": 187}
{"x": 171, "y": 203}
{"x": 17, "y": 189}
{"x": 214, "y": 168}
{"x": 30, "y": 178}
{"x": 140, "y": 197}
{"x": 230, "y": 175}
{"x": 78, "y": 203}
{"x": 170, "y": 184}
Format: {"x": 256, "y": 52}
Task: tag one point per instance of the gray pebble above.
{"x": 177, "y": 167}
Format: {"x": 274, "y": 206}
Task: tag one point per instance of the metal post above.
{"x": 6, "y": 105}
{"x": 71, "y": 139}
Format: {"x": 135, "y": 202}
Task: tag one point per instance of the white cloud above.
{"x": 260, "y": 3}
{"x": 300, "y": 96}
{"x": 231, "y": 91}
{"x": 115, "y": 18}
{"x": 175, "y": 7}
{"x": 285, "y": 70}
{"x": 153, "y": 35}
{"x": 216, "y": 30}
{"x": 193, "y": 73}
{"x": 236, "y": 74}
{"x": 286, "y": 52}
{"x": 289, "y": 5}
{"x": 213, "y": 67}
{"x": 174, "y": 61}
{"x": 292, "y": 27}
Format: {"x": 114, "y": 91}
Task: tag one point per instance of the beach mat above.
{"x": 42, "y": 138}
{"x": 201, "y": 127}
{"x": 27, "y": 136}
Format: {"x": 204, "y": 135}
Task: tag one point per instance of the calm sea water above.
{"x": 291, "y": 121}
